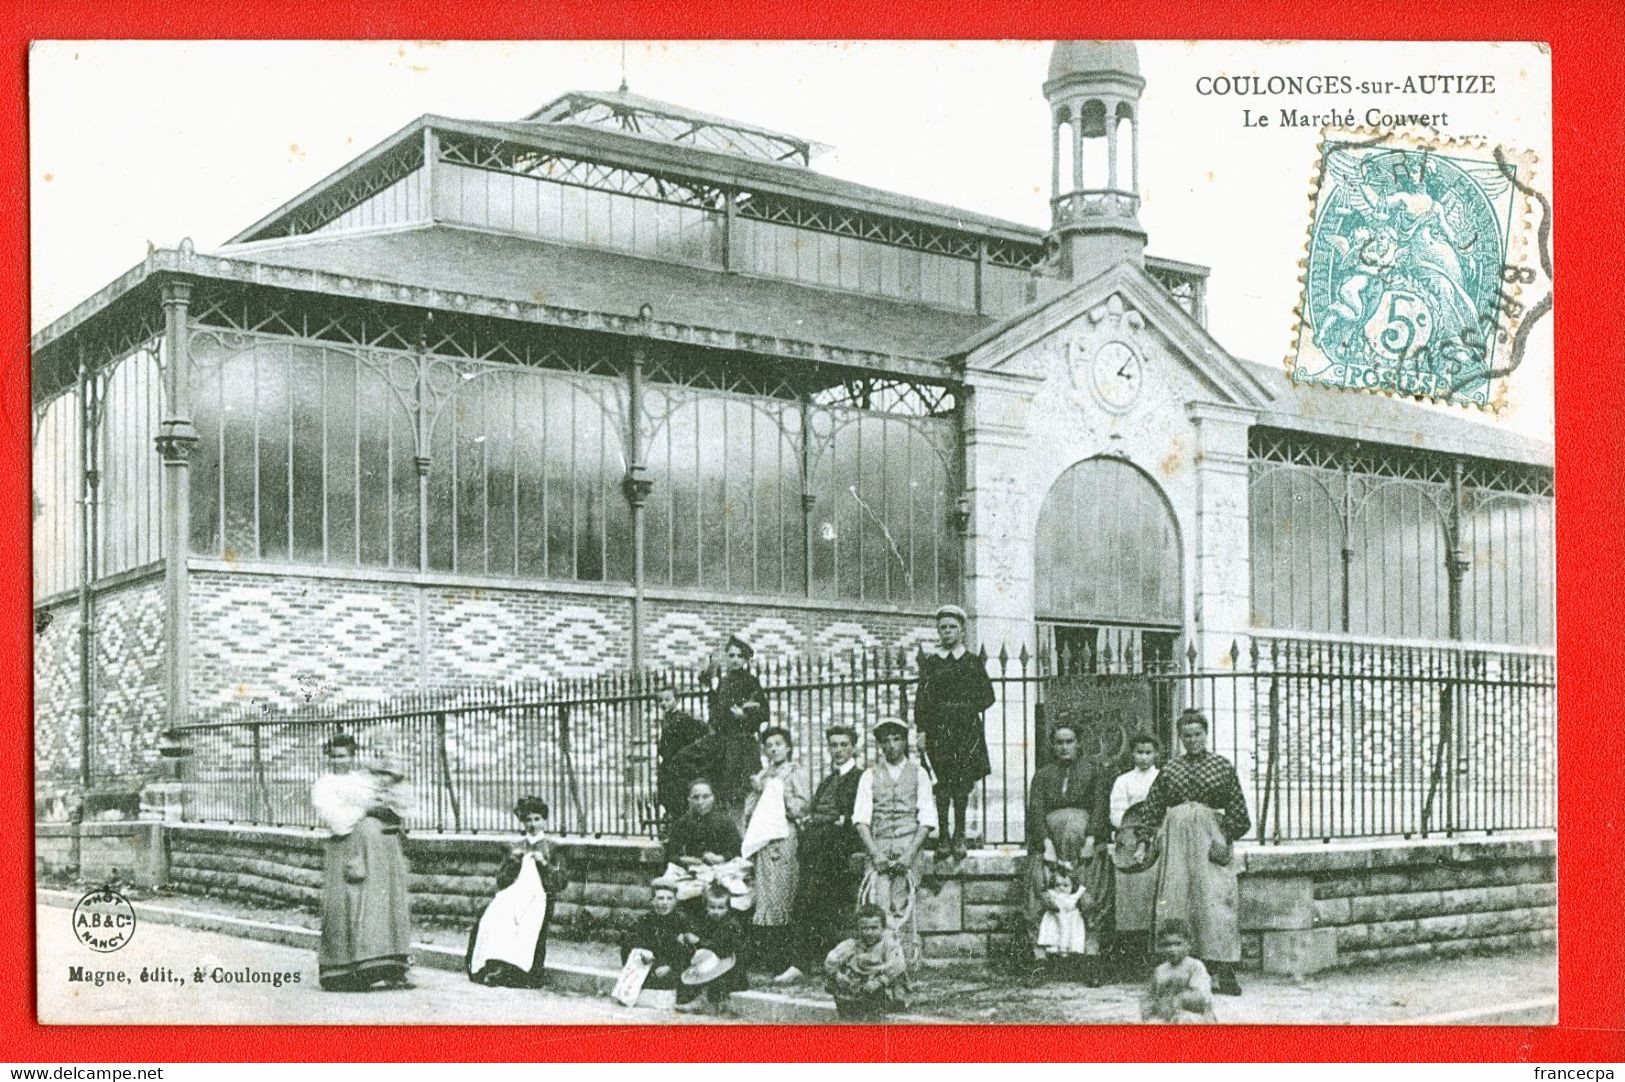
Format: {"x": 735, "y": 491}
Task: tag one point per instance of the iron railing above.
{"x": 1331, "y": 740}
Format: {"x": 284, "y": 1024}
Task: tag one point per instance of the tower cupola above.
{"x": 1093, "y": 92}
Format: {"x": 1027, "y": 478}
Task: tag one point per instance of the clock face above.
{"x": 1117, "y": 375}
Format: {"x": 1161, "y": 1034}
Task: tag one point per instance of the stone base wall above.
{"x": 452, "y": 876}
{"x": 1308, "y": 908}
{"x": 1303, "y": 909}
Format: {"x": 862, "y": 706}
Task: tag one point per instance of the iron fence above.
{"x": 1331, "y": 740}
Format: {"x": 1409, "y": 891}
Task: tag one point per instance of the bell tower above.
{"x": 1093, "y": 91}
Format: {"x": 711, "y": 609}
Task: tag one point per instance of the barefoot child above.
{"x": 1180, "y": 989}
{"x": 867, "y": 974}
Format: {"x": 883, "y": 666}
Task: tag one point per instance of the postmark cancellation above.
{"x": 1417, "y": 267}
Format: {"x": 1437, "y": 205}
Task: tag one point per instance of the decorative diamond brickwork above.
{"x": 56, "y": 696}
{"x": 288, "y": 642}
{"x": 130, "y": 704}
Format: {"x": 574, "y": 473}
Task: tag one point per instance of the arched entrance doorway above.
{"x": 1108, "y": 568}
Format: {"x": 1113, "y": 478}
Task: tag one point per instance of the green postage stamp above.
{"x": 1418, "y": 252}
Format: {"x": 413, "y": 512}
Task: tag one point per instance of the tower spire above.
{"x": 623, "y": 67}
{"x": 1093, "y": 92}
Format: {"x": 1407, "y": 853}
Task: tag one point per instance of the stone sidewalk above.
{"x": 1511, "y": 988}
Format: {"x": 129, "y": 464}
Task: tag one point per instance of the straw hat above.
{"x": 706, "y": 967}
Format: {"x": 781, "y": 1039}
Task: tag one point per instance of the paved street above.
{"x": 439, "y": 996}
{"x": 1516, "y": 988}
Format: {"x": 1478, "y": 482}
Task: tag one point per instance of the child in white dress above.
{"x": 1060, "y": 930}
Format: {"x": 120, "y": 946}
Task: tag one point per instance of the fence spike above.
{"x": 1023, "y": 657}
{"x": 1252, "y": 652}
{"x": 1235, "y": 653}
{"x": 1106, "y": 655}
{"x": 1128, "y": 656}
{"x": 1190, "y": 653}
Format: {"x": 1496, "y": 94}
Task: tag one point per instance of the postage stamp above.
{"x": 1417, "y": 253}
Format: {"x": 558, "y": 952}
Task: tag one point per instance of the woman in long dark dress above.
{"x": 366, "y": 910}
{"x": 738, "y": 714}
{"x": 508, "y": 946}
{"x": 954, "y": 691}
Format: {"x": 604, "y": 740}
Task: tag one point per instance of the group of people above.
{"x": 763, "y": 875}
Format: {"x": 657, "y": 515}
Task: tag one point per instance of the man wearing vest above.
{"x": 893, "y": 813}
{"x": 828, "y": 886}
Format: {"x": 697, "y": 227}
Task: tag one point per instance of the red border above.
{"x": 1586, "y": 38}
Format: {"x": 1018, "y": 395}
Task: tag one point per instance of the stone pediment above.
{"x": 1124, "y": 300}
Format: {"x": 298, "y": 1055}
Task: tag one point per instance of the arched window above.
{"x": 1092, "y": 147}
{"x": 1065, "y": 154}
{"x": 1128, "y": 177}
{"x": 1108, "y": 548}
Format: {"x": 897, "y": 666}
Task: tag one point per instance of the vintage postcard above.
{"x": 922, "y": 532}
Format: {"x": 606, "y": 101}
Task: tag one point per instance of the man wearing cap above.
{"x": 954, "y": 691}
{"x": 738, "y": 713}
{"x": 827, "y": 888}
{"x": 892, "y": 813}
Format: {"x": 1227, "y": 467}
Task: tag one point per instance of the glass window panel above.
{"x": 501, "y": 520}
{"x": 711, "y": 459}
{"x": 467, "y": 416}
{"x": 549, "y": 209}
{"x": 646, "y": 231}
{"x": 561, "y": 440}
{"x": 273, "y": 404}
{"x": 623, "y": 222}
{"x": 340, "y": 446}
{"x": 573, "y": 214}
{"x": 685, "y": 452}
{"x": 442, "y": 492}
{"x": 377, "y": 407}
{"x": 530, "y": 449}
{"x": 204, "y": 535}
{"x": 238, "y": 389}
{"x": 598, "y": 232}
{"x": 305, "y": 368}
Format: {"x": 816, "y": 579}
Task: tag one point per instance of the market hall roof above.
{"x": 659, "y": 157}
{"x": 477, "y": 273}
{"x": 632, "y": 114}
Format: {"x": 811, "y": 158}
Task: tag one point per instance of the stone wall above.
{"x": 1303, "y": 909}
{"x": 453, "y": 876}
{"x": 1310, "y": 907}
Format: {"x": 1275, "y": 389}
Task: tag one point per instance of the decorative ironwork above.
{"x": 1330, "y": 740}
{"x": 482, "y": 152}
{"x": 1187, "y": 288}
{"x": 374, "y": 177}
{"x": 1078, "y": 208}
{"x": 897, "y": 397}
{"x": 1382, "y": 460}
{"x": 500, "y": 155}
{"x": 642, "y": 116}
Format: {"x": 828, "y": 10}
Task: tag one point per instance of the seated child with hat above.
{"x": 714, "y": 969}
{"x": 867, "y": 974}
{"x": 653, "y": 953}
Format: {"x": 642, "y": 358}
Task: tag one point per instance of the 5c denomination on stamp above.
{"x": 104, "y": 920}
{"x": 1416, "y": 255}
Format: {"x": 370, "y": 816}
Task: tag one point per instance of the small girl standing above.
{"x": 1061, "y": 932}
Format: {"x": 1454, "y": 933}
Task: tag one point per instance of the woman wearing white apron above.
{"x": 508, "y": 946}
